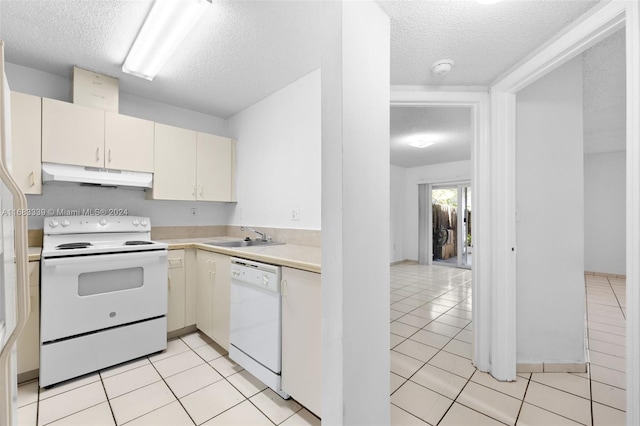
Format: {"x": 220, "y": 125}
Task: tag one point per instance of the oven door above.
{"x": 83, "y": 294}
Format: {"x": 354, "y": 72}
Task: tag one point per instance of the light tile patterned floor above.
{"x": 193, "y": 382}
{"x": 432, "y": 379}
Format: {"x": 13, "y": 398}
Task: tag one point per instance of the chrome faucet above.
{"x": 263, "y": 235}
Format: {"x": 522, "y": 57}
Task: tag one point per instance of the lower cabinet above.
{"x": 301, "y": 337}
{"x": 28, "y": 345}
{"x": 213, "y": 295}
{"x": 176, "y": 314}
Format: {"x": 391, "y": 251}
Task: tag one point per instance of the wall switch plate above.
{"x": 295, "y": 214}
{"x": 194, "y": 211}
{"x": 241, "y": 213}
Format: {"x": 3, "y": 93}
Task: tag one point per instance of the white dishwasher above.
{"x": 255, "y": 330}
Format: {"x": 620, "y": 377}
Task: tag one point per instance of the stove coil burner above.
{"x": 71, "y": 246}
{"x": 137, "y": 243}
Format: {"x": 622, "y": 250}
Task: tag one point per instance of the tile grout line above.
{"x": 617, "y": 300}
{"x": 113, "y": 415}
{"x": 170, "y": 390}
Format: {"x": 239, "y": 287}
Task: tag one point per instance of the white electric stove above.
{"x": 103, "y": 294}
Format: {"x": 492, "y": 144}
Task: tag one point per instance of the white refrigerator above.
{"x": 14, "y": 286}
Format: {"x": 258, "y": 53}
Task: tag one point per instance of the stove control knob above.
{"x": 54, "y": 223}
{"x": 136, "y": 222}
{"x": 65, "y": 223}
{"x": 103, "y": 222}
{"x": 144, "y": 222}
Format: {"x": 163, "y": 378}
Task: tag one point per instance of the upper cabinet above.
{"x": 174, "y": 176}
{"x": 26, "y": 111}
{"x": 83, "y": 136}
{"x": 128, "y": 143}
{"x": 72, "y": 134}
{"x": 192, "y": 165}
{"x": 215, "y": 168}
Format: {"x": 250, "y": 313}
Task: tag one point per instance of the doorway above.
{"x": 451, "y": 224}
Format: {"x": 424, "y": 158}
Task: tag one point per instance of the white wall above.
{"x": 355, "y": 214}
{"x": 550, "y": 218}
{"x": 397, "y": 214}
{"x": 71, "y": 196}
{"x": 604, "y": 221}
{"x": 408, "y": 211}
{"x": 279, "y": 146}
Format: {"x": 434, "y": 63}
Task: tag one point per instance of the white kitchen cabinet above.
{"x": 301, "y": 337}
{"x": 128, "y": 143}
{"x": 213, "y": 295}
{"x": 221, "y": 299}
{"x": 26, "y": 140}
{"x": 192, "y": 165}
{"x": 83, "y": 136}
{"x": 176, "y": 314}
{"x": 174, "y": 174}
{"x": 215, "y": 168}
{"x": 72, "y": 134}
{"x": 28, "y": 344}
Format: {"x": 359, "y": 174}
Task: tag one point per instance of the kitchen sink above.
{"x": 251, "y": 243}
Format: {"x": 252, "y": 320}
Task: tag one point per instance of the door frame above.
{"x": 600, "y": 22}
{"x": 478, "y": 101}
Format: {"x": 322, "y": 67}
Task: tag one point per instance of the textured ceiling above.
{"x": 483, "y": 40}
{"x": 604, "y": 95}
{"x": 450, "y": 126}
{"x": 239, "y": 52}
{"x": 242, "y": 51}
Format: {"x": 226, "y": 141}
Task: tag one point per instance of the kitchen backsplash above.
{"x": 305, "y": 237}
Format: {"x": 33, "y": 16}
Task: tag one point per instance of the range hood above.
{"x": 52, "y": 172}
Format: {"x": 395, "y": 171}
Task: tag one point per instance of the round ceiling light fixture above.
{"x": 442, "y": 67}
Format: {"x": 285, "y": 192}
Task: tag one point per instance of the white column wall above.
{"x": 355, "y": 214}
{"x": 550, "y": 218}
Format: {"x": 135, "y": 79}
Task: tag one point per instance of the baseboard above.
{"x": 181, "y": 332}
{"x": 398, "y": 262}
{"x": 551, "y": 367}
{"x": 27, "y": 376}
{"x": 605, "y": 274}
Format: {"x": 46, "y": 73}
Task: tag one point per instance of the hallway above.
{"x": 433, "y": 381}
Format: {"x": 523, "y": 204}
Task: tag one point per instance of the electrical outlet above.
{"x": 295, "y": 214}
{"x": 194, "y": 211}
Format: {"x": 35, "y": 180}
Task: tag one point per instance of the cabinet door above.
{"x": 28, "y": 345}
{"x": 26, "y": 142}
{"x": 174, "y": 172}
{"x": 176, "y": 313}
{"x": 128, "y": 143}
{"x": 72, "y": 134}
{"x": 221, "y": 299}
{"x": 301, "y": 337}
{"x": 204, "y": 291}
{"x": 215, "y": 164}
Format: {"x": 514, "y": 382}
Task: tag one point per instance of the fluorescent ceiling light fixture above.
{"x": 424, "y": 140}
{"x": 488, "y": 1}
{"x": 421, "y": 143}
{"x": 165, "y": 28}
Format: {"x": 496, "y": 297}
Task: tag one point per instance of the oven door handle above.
{"x": 83, "y": 260}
